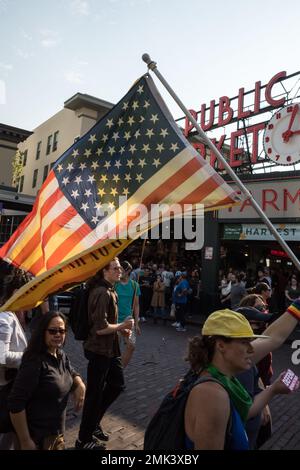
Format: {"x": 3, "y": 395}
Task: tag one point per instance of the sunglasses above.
{"x": 54, "y": 331}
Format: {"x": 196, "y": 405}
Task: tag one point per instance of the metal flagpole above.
{"x": 153, "y": 67}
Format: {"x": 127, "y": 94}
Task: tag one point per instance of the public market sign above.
{"x": 289, "y": 232}
{"x": 259, "y": 100}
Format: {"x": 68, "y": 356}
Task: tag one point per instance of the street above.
{"x": 156, "y": 366}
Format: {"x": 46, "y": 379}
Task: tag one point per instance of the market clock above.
{"x": 282, "y": 136}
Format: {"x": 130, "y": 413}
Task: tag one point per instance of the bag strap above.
{"x": 134, "y": 285}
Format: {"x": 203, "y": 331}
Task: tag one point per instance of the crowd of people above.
{"x": 37, "y": 378}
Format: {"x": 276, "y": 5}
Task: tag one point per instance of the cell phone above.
{"x": 290, "y": 379}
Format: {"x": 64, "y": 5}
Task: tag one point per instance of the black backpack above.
{"x": 78, "y": 314}
{"x": 166, "y": 429}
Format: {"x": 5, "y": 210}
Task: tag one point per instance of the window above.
{"x": 45, "y": 172}
{"x": 55, "y": 141}
{"x": 8, "y": 225}
{"x": 25, "y": 157}
{"x": 49, "y": 144}
{"x": 34, "y": 179}
{"x": 38, "y": 150}
{"x": 21, "y": 184}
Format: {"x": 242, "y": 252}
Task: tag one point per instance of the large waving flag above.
{"x": 136, "y": 151}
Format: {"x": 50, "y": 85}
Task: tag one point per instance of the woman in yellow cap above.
{"x": 225, "y": 349}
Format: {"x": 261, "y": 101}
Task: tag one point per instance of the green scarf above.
{"x": 237, "y": 393}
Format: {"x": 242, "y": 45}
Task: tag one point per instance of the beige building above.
{"x": 50, "y": 140}
{"x": 9, "y": 139}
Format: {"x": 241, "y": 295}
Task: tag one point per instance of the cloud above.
{"x": 22, "y": 53}
{"x": 72, "y": 76}
{"x": 80, "y": 7}
{"x": 49, "y": 38}
{"x": 6, "y": 66}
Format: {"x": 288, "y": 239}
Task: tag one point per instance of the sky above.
{"x": 52, "y": 49}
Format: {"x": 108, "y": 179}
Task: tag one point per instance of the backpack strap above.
{"x": 134, "y": 285}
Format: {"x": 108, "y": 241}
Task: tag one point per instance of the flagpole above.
{"x": 153, "y": 67}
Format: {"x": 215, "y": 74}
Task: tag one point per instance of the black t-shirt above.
{"x": 42, "y": 387}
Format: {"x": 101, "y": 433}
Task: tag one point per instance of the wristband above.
{"x": 294, "y": 309}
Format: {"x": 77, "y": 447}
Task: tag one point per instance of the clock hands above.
{"x": 288, "y": 133}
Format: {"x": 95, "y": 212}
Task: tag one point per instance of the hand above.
{"x": 265, "y": 415}
{"x": 279, "y": 388}
{"x": 288, "y": 133}
{"x": 127, "y": 324}
{"x": 28, "y": 444}
{"x": 78, "y": 396}
{"x": 137, "y": 328}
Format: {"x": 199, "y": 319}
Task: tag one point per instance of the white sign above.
{"x": 289, "y": 232}
{"x": 279, "y": 199}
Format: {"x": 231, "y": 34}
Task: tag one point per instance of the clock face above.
{"x": 282, "y": 136}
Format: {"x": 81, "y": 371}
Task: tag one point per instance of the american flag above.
{"x": 136, "y": 150}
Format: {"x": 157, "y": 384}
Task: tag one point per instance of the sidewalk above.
{"x": 156, "y": 366}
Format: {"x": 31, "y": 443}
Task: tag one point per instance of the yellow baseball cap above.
{"x": 230, "y": 324}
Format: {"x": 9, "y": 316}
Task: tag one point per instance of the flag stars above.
{"x": 125, "y": 191}
{"x": 142, "y": 119}
{"x": 60, "y": 168}
{"x": 154, "y": 118}
{"x": 132, "y": 149}
{"x": 95, "y": 165}
{"x": 115, "y": 136}
{"x": 140, "y": 89}
{"x": 101, "y": 192}
{"x": 104, "y": 138}
{"x": 160, "y": 148}
{"x": 111, "y": 151}
{"x": 87, "y": 192}
{"x": 149, "y": 133}
{"x": 139, "y": 177}
{"x": 87, "y": 153}
{"x": 99, "y": 151}
{"x": 130, "y": 120}
{"x": 156, "y": 162}
{"x": 107, "y": 164}
{"x": 111, "y": 206}
{"x": 91, "y": 179}
{"x": 135, "y": 105}
{"x": 120, "y": 121}
{"x": 146, "y": 148}
{"x": 92, "y": 138}
{"x": 116, "y": 178}
{"x": 174, "y": 147}
{"x": 82, "y": 166}
{"x": 142, "y": 162}
{"x": 75, "y": 153}
{"x": 95, "y": 219}
{"x": 118, "y": 164}
{"x": 75, "y": 194}
{"x": 122, "y": 150}
{"x": 109, "y": 123}
{"x": 127, "y": 177}
{"x": 65, "y": 181}
{"x": 125, "y": 106}
{"x": 113, "y": 192}
{"x": 70, "y": 167}
{"x": 103, "y": 178}
{"x": 84, "y": 206}
{"x": 98, "y": 206}
{"x": 129, "y": 163}
{"x": 78, "y": 179}
{"x": 146, "y": 104}
{"x": 164, "y": 133}
{"x": 137, "y": 134}
{"x": 127, "y": 135}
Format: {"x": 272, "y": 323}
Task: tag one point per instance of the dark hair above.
{"x": 13, "y": 281}
{"x": 37, "y": 344}
{"x": 201, "y": 350}
{"x": 94, "y": 281}
{"x": 261, "y": 287}
{"x": 249, "y": 300}
{"x": 126, "y": 265}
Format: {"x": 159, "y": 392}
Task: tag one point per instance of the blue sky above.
{"x": 51, "y": 49}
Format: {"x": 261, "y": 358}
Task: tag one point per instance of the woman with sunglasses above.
{"x": 39, "y": 397}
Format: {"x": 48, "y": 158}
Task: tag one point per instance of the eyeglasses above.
{"x": 54, "y": 331}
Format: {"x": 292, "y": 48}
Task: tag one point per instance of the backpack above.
{"x": 166, "y": 429}
{"x": 78, "y": 314}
